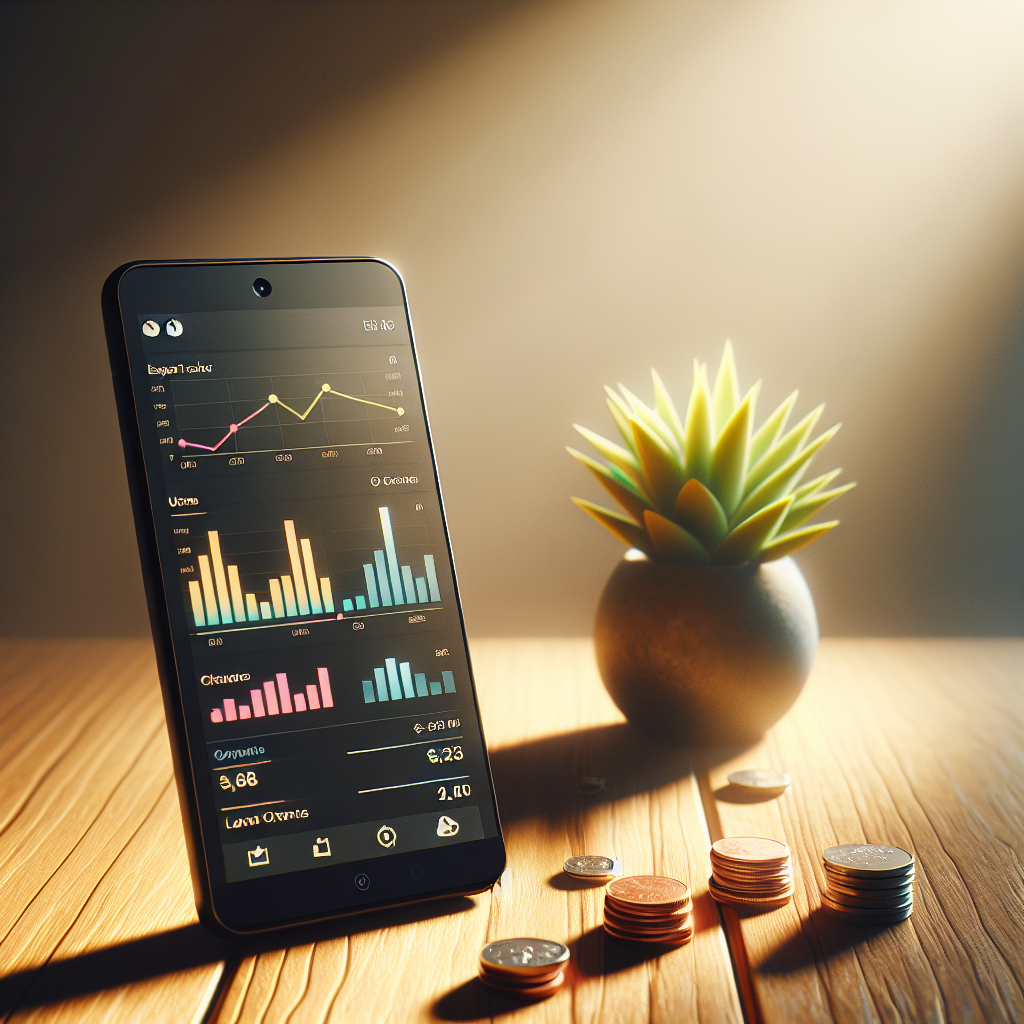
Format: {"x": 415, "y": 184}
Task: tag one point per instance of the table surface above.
{"x": 916, "y": 743}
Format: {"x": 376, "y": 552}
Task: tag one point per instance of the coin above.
{"x": 676, "y": 938}
{"x": 866, "y": 913}
{"x": 531, "y": 992}
{"x": 645, "y": 924}
{"x": 872, "y": 922}
{"x": 750, "y": 850}
{"x": 768, "y": 901}
{"x": 868, "y": 861}
{"x": 530, "y": 981}
{"x": 872, "y": 893}
{"x": 523, "y": 957}
{"x": 592, "y": 866}
{"x": 654, "y": 891}
{"x": 857, "y": 902}
{"x": 760, "y": 778}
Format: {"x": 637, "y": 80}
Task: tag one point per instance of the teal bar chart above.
{"x": 389, "y": 584}
{"x": 395, "y": 680}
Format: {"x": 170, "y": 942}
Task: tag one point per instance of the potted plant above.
{"x": 706, "y": 630}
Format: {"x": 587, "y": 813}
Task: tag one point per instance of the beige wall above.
{"x": 573, "y": 192}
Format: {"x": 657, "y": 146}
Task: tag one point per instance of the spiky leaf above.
{"x": 672, "y": 543}
{"x": 728, "y": 469}
{"x": 802, "y": 510}
{"x": 746, "y": 541}
{"x": 616, "y": 484}
{"x": 697, "y": 510}
{"x": 807, "y": 489}
{"x": 770, "y": 430}
{"x": 783, "y": 478}
{"x": 783, "y": 450}
{"x": 727, "y": 389}
{"x": 649, "y": 418}
{"x": 620, "y": 413}
{"x": 615, "y": 454}
{"x": 661, "y": 467}
{"x": 626, "y": 529}
{"x": 700, "y": 428}
{"x": 787, "y": 543}
{"x": 666, "y": 408}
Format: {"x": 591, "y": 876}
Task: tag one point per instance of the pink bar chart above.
{"x": 275, "y": 697}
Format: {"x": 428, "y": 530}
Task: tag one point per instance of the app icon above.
{"x": 387, "y": 836}
{"x": 259, "y": 858}
{"x": 362, "y": 882}
{"x": 174, "y": 328}
{"x": 447, "y": 826}
{"x": 322, "y": 848}
{"x": 150, "y": 328}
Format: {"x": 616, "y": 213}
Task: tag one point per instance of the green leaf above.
{"x": 746, "y": 541}
{"x": 666, "y": 408}
{"x": 787, "y": 543}
{"x": 618, "y": 486}
{"x": 618, "y": 456}
{"x": 781, "y": 452}
{"x": 727, "y": 389}
{"x": 802, "y": 510}
{"x": 621, "y": 414}
{"x": 628, "y": 531}
{"x": 663, "y": 475}
{"x": 807, "y": 489}
{"x": 649, "y": 418}
{"x": 770, "y": 429}
{"x": 672, "y": 543}
{"x": 782, "y": 479}
{"x": 698, "y": 512}
{"x": 700, "y": 429}
{"x": 728, "y": 469}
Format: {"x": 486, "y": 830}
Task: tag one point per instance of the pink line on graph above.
{"x": 325, "y": 687}
{"x": 233, "y": 429}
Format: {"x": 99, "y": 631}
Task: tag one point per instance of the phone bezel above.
{"x": 222, "y": 905}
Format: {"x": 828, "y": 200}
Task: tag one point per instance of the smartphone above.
{"x": 320, "y": 701}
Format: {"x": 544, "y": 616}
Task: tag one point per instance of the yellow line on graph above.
{"x": 274, "y": 400}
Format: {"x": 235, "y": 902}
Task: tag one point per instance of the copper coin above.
{"x": 650, "y": 925}
{"x": 675, "y": 939}
{"x": 647, "y": 918}
{"x": 528, "y": 981}
{"x": 655, "y": 891}
{"x": 531, "y": 993}
{"x": 736, "y": 878}
{"x": 750, "y": 850}
{"x": 523, "y": 957}
{"x": 746, "y": 900}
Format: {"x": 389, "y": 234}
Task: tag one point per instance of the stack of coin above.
{"x": 751, "y": 872}
{"x": 648, "y": 908}
{"x": 869, "y": 884}
{"x": 524, "y": 968}
{"x": 593, "y": 867}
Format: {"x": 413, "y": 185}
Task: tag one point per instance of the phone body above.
{"x": 302, "y": 595}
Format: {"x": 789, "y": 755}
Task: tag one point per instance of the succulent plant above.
{"x": 714, "y": 491}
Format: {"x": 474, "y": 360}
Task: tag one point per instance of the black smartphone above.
{"x": 312, "y": 652}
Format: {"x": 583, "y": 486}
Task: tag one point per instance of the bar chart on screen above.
{"x": 275, "y": 697}
{"x": 395, "y": 680}
{"x": 218, "y": 598}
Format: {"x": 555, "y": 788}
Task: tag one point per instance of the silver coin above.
{"x": 760, "y": 778}
{"x": 592, "y": 866}
{"x": 873, "y": 893}
{"x": 873, "y": 922}
{"x": 866, "y": 912}
{"x": 868, "y": 885}
{"x": 867, "y": 861}
{"x": 524, "y": 956}
{"x": 893, "y": 903}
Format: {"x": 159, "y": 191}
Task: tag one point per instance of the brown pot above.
{"x": 705, "y": 656}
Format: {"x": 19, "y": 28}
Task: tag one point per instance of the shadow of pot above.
{"x": 705, "y": 656}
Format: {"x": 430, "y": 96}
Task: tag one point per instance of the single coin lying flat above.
{"x": 592, "y": 866}
{"x": 760, "y": 779}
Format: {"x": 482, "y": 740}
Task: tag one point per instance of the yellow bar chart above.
{"x": 217, "y": 598}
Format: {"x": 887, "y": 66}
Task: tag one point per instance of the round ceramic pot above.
{"x": 705, "y": 656}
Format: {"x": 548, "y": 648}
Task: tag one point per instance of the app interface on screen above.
{"x": 300, "y": 533}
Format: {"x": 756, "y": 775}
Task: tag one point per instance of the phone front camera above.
{"x": 261, "y": 286}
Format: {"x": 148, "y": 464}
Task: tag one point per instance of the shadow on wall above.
{"x": 574, "y": 193}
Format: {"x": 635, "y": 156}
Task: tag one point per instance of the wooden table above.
{"x": 915, "y": 743}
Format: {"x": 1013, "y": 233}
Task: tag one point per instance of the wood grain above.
{"x": 918, "y": 744}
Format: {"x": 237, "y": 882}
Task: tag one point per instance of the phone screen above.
{"x": 309, "y": 586}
